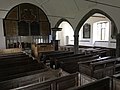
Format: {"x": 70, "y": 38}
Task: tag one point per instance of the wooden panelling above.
{"x": 42, "y": 16}
{"x": 102, "y": 84}
{"x": 35, "y": 28}
{"x": 45, "y": 28}
{"x": 10, "y": 28}
{"x": 13, "y": 14}
{"x": 28, "y": 12}
{"x": 23, "y": 28}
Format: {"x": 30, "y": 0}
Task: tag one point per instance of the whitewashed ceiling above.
{"x": 59, "y": 8}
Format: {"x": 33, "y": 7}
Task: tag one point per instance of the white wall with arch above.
{"x": 67, "y": 9}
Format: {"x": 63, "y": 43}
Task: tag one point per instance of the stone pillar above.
{"x": 76, "y": 43}
{"x": 118, "y": 45}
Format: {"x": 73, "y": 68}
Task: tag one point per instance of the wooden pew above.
{"x": 5, "y": 54}
{"x": 12, "y": 56}
{"x": 117, "y": 66}
{"x": 99, "y": 59}
{"x": 2, "y": 58}
{"x": 102, "y": 84}
{"x": 23, "y": 79}
{"x": 73, "y": 62}
{"x": 76, "y": 58}
{"x": 43, "y": 55}
{"x": 98, "y": 69}
{"x": 10, "y": 50}
{"x": 51, "y": 56}
{"x": 109, "y": 51}
{"x": 60, "y": 83}
{"x": 67, "y": 82}
{"x": 9, "y": 73}
{"x": 9, "y": 61}
{"x": 56, "y": 60}
{"x": 98, "y": 51}
{"x": 116, "y": 82}
{"x": 71, "y": 55}
{"x": 15, "y": 62}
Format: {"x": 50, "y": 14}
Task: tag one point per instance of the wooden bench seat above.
{"x": 78, "y": 58}
{"x": 98, "y": 69}
{"x": 23, "y": 79}
{"x": 96, "y": 60}
{"x": 6, "y": 72}
{"x": 45, "y": 53}
{"x": 56, "y": 60}
{"x": 15, "y": 62}
{"x": 8, "y": 54}
{"x": 116, "y": 81}
{"x": 59, "y": 54}
{"x": 68, "y": 59}
{"x": 49, "y": 55}
{"x": 68, "y": 56}
{"x": 117, "y": 66}
{"x": 12, "y": 56}
{"x": 72, "y": 66}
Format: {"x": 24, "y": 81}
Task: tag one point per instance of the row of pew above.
{"x": 17, "y": 65}
{"x": 71, "y": 82}
{"x": 68, "y": 82}
{"x": 20, "y": 72}
{"x": 100, "y": 68}
{"x": 60, "y": 83}
{"x": 90, "y": 64}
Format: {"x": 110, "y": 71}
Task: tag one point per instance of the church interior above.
{"x": 59, "y": 45}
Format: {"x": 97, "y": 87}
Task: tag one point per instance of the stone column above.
{"x": 118, "y": 45}
{"x": 76, "y": 43}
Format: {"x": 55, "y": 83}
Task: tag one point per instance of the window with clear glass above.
{"x": 101, "y": 32}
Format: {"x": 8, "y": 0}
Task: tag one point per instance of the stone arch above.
{"x": 90, "y": 13}
{"x": 61, "y": 20}
{"x": 69, "y": 35}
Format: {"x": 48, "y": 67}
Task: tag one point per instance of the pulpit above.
{"x": 54, "y": 41}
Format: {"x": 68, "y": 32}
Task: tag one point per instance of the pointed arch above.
{"x": 61, "y": 20}
{"x": 90, "y": 13}
{"x": 66, "y": 35}
{"x": 114, "y": 30}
